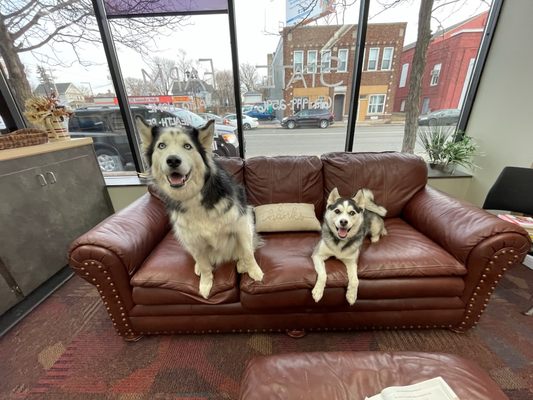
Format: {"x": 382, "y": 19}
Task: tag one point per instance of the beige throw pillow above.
{"x": 283, "y": 217}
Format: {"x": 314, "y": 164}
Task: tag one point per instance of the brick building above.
{"x": 316, "y": 67}
{"x": 449, "y": 63}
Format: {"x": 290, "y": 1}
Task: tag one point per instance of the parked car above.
{"x": 247, "y": 122}
{"x": 106, "y": 127}
{"x": 311, "y": 117}
{"x": 208, "y": 116}
{"x": 449, "y": 116}
{"x": 260, "y": 113}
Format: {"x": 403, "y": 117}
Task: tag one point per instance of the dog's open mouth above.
{"x": 342, "y": 232}
{"x": 177, "y": 180}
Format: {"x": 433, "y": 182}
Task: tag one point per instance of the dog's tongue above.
{"x": 342, "y": 232}
{"x": 176, "y": 179}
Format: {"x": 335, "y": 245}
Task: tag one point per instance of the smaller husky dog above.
{"x": 207, "y": 208}
{"x": 347, "y": 221}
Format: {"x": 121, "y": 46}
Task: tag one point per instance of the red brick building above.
{"x": 449, "y": 63}
{"x": 317, "y": 65}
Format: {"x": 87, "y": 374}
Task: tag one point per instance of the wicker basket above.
{"x": 22, "y": 138}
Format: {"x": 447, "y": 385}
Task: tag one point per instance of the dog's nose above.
{"x": 173, "y": 161}
{"x": 343, "y": 222}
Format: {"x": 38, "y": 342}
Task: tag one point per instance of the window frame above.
{"x": 322, "y": 58}
{"x": 345, "y": 61}
{"x": 314, "y": 70}
{"x": 389, "y": 59}
{"x": 294, "y": 65}
{"x": 370, "y": 58}
{"x": 435, "y": 75}
{"x": 370, "y": 96}
{"x": 403, "y": 78}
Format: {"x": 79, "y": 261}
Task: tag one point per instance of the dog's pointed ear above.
{"x": 360, "y": 198}
{"x": 333, "y": 196}
{"x": 145, "y": 132}
{"x": 206, "y": 135}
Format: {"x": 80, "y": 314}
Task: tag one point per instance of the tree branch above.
{"x": 50, "y": 37}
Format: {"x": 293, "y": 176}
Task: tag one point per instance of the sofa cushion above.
{"x": 171, "y": 267}
{"x": 284, "y": 179}
{"x": 393, "y": 177}
{"x": 385, "y": 269}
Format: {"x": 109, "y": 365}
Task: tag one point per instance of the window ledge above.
{"x": 123, "y": 180}
{"x": 439, "y": 174}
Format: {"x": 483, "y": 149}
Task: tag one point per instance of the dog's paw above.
{"x": 375, "y": 239}
{"x": 318, "y": 292}
{"x": 196, "y": 269}
{"x": 256, "y": 273}
{"x": 351, "y": 296}
{"x": 206, "y": 283}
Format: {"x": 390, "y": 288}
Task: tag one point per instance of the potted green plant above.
{"x": 446, "y": 148}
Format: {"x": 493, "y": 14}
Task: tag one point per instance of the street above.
{"x": 271, "y": 139}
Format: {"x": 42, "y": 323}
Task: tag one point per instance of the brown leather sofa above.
{"x": 436, "y": 268}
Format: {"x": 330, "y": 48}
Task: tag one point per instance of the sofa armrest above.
{"x": 459, "y": 227}
{"x": 110, "y": 253}
{"x": 484, "y": 243}
{"x": 131, "y": 234}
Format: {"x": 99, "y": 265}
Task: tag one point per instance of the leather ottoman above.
{"x": 354, "y": 375}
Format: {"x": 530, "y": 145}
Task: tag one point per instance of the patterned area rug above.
{"x": 67, "y": 349}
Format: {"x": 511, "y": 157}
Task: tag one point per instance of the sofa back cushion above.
{"x": 234, "y": 166}
{"x": 284, "y": 179}
{"x": 393, "y": 177}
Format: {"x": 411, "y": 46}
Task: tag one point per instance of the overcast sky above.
{"x": 258, "y": 22}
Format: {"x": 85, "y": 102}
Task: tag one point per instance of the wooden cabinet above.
{"x": 47, "y": 200}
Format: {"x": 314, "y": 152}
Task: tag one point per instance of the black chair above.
{"x": 512, "y": 191}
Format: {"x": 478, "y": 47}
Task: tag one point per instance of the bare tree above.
{"x": 224, "y": 95}
{"x": 249, "y": 77}
{"x": 186, "y": 66}
{"x": 41, "y": 27}
{"x": 139, "y": 87}
{"x": 417, "y": 71}
{"x": 162, "y": 74}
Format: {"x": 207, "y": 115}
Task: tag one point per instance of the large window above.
{"x": 179, "y": 68}
{"x": 456, "y": 30}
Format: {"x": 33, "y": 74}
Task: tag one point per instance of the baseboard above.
{"x": 14, "y": 315}
{"x": 528, "y": 261}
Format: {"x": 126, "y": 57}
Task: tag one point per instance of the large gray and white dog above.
{"x": 347, "y": 221}
{"x": 207, "y": 208}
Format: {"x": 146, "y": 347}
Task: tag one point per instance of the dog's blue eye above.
{"x": 161, "y": 145}
{"x": 187, "y": 146}
{"x": 337, "y": 211}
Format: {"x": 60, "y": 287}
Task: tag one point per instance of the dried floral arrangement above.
{"x": 45, "y": 111}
